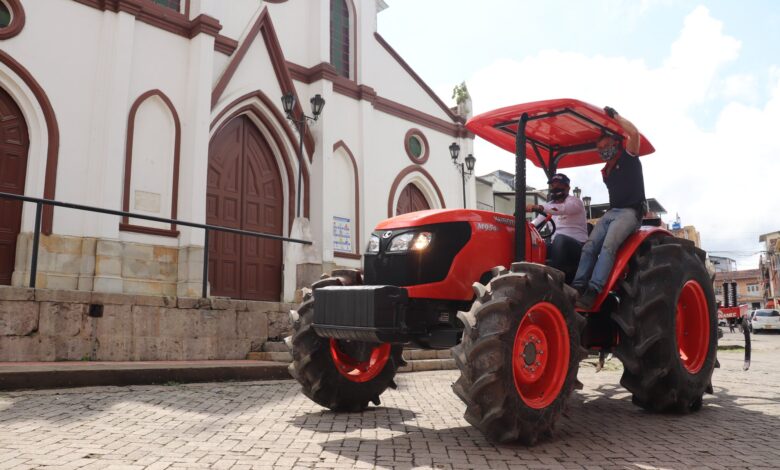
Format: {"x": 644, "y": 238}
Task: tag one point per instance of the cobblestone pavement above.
{"x": 270, "y": 424}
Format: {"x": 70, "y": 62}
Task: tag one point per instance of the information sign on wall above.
{"x": 342, "y": 235}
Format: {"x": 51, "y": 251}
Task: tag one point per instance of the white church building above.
{"x": 173, "y": 109}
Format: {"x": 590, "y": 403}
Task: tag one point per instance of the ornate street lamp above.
{"x": 586, "y": 200}
{"x": 577, "y": 192}
{"x": 454, "y": 152}
{"x": 466, "y": 169}
{"x": 288, "y": 104}
{"x": 470, "y": 161}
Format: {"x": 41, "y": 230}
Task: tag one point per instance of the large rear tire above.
{"x": 520, "y": 353}
{"x": 339, "y": 375}
{"x": 668, "y": 326}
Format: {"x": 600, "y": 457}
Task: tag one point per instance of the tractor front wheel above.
{"x": 338, "y": 374}
{"x": 520, "y": 353}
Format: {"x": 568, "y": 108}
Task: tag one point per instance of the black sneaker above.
{"x": 587, "y": 299}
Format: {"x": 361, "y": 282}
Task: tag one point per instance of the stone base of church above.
{"x": 61, "y": 325}
{"x": 111, "y": 266}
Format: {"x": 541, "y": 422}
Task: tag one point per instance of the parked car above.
{"x": 765, "y": 319}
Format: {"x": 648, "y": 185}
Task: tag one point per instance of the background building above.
{"x": 687, "y": 232}
{"x": 748, "y": 286}
{"x": 172, "y": 108}
{"x": 496, "y": 192}
{"x": 655, "y": 211}
{"x": 723, "y": 264}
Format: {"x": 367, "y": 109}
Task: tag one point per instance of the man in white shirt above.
{"x": 571, "y": 226}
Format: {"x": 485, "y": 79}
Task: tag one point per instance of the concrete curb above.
{"x": 69, "y": 375}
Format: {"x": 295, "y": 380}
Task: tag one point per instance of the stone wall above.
{"x": 61, "y": 325}
{"x": 90, "y": 264}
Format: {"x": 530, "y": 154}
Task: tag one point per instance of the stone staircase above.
{"x": 274, "y": 351}
{"x": 417, "y": 360}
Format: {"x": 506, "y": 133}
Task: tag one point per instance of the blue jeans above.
{"x": 598, "y": 254}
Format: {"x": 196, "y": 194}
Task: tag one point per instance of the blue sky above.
{"x": 692, "y": 75}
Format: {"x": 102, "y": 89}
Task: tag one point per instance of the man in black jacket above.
{"x": 625, "y": 182}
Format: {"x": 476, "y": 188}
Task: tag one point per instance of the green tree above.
{"x": 460, "y": 93}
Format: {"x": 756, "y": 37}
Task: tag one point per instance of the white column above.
{"x": 193, "y": 165}
{"x": 196, "y": 121}
{"x": 106, "y": 154}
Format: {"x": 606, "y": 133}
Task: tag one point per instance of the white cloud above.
{"x": 739, "y": 87}
{"x": 720, "y": 180}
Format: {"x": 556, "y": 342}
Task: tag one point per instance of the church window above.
{"x": 172, "y": 4}
{"x": 339, "y": 37}
{"x": 5, "y": 15}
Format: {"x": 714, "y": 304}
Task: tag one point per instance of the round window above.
{"x": 416, "y": 146}
{"x": 5, "y": 15}
{"x": 11, "y": 18}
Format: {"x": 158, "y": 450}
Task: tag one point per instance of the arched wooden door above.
{"x": 14, "y": 144}
{"x": 411, "y": 200}
{"x": 244, "y": 192}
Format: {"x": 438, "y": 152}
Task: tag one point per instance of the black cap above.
{"x": 559, "y": 178}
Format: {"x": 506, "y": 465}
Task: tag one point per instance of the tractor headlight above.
{"x": 373, "y": 244}
{"x": 401, "y": 242}
{"x": 410, "y": 241}
{"x": 422, "y": 241}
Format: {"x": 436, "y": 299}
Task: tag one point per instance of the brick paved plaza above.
{"x": 269, "y": 424}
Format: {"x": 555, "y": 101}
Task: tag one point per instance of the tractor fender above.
{"x": 624, "y": 254}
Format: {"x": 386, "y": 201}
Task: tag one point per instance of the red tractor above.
{"x": 436, "y": 279}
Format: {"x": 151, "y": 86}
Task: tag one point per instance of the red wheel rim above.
{"x": 693, "y": 326}
{"x": 360, "y": 371}
{"x": 540, "y": 355}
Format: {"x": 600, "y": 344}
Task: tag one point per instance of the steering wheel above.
{"x": 547, "y": 222}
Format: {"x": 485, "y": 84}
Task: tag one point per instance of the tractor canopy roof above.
{"x": 563, "y": 132}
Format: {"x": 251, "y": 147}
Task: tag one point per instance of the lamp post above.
{"x": 466, "y": 168}
{"x": 288, "y": 103}
{"x": 586, "y": 200}
{"x": 577, "y": 192}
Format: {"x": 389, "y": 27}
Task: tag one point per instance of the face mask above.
{"x": 557, "y": 194}
{"x": 608, "y": 153}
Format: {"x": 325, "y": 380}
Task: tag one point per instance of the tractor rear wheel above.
{"x": 337, "y": 374}
{"x": 668, "y": 326}
{"x": 520, "y": 353}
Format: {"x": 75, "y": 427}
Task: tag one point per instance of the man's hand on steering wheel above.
{"x": 547, "y": 220}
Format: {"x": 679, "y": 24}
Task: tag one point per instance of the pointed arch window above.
{"x": 340, "y": 47}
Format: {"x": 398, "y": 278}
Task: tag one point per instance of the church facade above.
{"x": 173, "y": 109}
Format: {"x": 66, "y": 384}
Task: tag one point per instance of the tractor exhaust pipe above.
{"x": 520, "y": 227}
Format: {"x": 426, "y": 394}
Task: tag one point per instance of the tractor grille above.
{"x": 417, "y": 267}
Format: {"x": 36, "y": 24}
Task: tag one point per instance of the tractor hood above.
{"x": 563, "y": 130}
{"x": 438, "y": 216}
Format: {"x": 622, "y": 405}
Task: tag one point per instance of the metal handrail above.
{"x": 39, "y": 203}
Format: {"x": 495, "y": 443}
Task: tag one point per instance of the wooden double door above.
{"x": 244, "y": 192}
{"x": 411, "y": 199}
{"x": 14, "y": 146}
